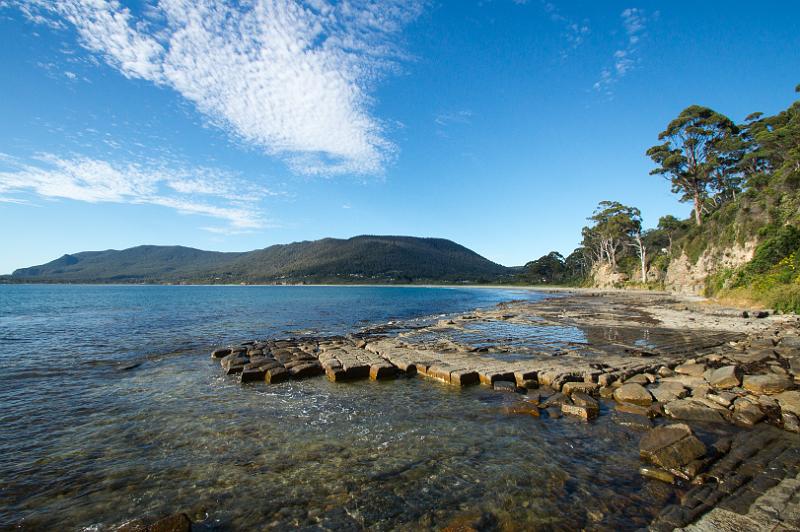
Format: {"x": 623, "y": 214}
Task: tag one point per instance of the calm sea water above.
{"x": 89, "y": 444}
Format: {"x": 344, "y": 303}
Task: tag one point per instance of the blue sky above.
{"x": 498, "y": 124}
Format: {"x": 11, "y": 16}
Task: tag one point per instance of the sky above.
{"x": 499, "y": 124}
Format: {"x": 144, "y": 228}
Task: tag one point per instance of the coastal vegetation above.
{"x": 743, "y": 236}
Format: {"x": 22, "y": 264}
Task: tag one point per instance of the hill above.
{"x": 361, "y": 259}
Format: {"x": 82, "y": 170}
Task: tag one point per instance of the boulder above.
{"x": 766, "y": 384}
{"x": 692, "y": 369}
{"x": 724, "y": 377}
{"x": 691, "y": 410}
{"x": 789, "y": 402}
{"x": 671, "y": 446}
{"x": 633, "y": 393}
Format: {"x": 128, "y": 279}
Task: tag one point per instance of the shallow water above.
{"x": 88, "y": 444}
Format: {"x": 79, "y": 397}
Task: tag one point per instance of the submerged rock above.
{"x": 671, "y": 446}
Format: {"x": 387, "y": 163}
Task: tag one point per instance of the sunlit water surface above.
{"x": 87, "y": 443}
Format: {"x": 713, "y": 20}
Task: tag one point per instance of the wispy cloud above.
{"x": 625, "y": 58}
{"x": 575, "y": 32}
{"x": 197, "y": 191}
{"x": 463, "y": 116}
{"x": 292, "y": 78}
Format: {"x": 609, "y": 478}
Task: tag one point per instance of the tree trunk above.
{"x": 697, "y": 209}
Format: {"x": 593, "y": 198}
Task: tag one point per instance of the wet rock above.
{"x": 252, "y": 375}
{"x": 691, "y": 369}
{"x": 633, "y": 393}
{"x": 173, "y": 523}
{"x": 657, "y": 474}
{"x": 490, "y": 377}
{"x": 671, "y": 446}
{"x": 464, "y": 377}
{"x": 276, "y": 375}
{"x": 553, "y": 412}
{"x": 234, "y": 363}
{"x": 506, "y": 386}
{"x": 581, "y": 411}
{"x": 583, "y": 387}
{"x": 606, "y": 392}
{"x": 555, "y": 400}
{"x": 746, "y": 414}
{"x": 789, "y": 402}
{"x": 766, "y": 384}
{"x": 379, "y": 372}
{"x": 523, "y": 407}
{"x": 724, "y": 377}
{"x": 636, "y": 410}
{"x": 305, "y": 370}
{"x": 584, "y": 399}
{"x": 221, "y": 352}
{"x": 691, "y": 410}
{"x": 523, "y": 377}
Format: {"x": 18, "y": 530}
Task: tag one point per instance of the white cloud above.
{"x": 196, "y": 191}
{"x": 634, "y": 22}
{"x": 293, "y": 78}
{"x": 575, "y": 33}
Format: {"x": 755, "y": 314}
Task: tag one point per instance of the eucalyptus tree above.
{"x": 697, "y": 154}
{"x": 614, "y": 226}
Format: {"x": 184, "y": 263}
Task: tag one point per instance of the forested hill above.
{"x": 361, "y": 259}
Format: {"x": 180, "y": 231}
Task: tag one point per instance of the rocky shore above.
{"x": 674, "y": 368}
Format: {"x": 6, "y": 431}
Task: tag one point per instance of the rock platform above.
{"x": 673, "y": 364}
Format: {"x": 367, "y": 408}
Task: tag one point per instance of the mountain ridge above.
{"x": 368, "y": 259}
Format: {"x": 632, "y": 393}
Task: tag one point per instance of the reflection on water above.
{"x": 86, "y": 443}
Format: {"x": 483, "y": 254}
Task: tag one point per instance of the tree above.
{"x": 669, "y": 225}
{"x": 546, "y": 269}
{"x": 696, "y": 155}
{"x": 614, "y": 226}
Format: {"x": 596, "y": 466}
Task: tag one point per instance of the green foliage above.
{"x": 698, "y": 155}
